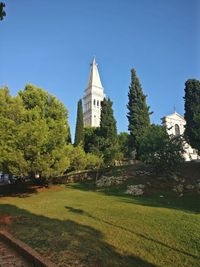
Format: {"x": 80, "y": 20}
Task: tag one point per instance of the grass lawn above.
{"x": 75, "y": 225}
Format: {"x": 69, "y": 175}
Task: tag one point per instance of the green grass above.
{"x": 79, "y": 226}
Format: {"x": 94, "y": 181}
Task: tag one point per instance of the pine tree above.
{"x": 138, "y": 111}
{"x": 34, "y": 133}
{"x": 108, "y": 132}
{"x": 79, "y": 134}
{"x": 192, "y": 112}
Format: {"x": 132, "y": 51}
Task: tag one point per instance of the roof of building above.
{"x": 174, "y": 115}
{"x": 94, "y": 78}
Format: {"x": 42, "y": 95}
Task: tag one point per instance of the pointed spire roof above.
{"x": 94, "y": 78}
{"x": 93, "y": 61}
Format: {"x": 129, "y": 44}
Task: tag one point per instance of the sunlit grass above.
{"x": 79, "y": 226}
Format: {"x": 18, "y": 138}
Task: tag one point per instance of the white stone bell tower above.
{"x": 93, "y": 95}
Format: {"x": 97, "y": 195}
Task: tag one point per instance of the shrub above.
{"x": 79, "y": 160}
{"x": 93, "y": 161}
{"x": 161, "y": 151}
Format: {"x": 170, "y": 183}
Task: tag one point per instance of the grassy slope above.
{"x": 78, "y": 226}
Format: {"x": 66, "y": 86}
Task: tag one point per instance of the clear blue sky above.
{"x": 51, "y": 43}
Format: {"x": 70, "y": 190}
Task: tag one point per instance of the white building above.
{"x": 175, "y": 125}
{"x": 93, "y": 95}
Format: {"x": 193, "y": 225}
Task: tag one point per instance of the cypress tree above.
{"x": 138, "y": 111}
{"x": 69, "y": 138}
{"x": 79, "y": 134}
{"x": 192, "y": 112}
{"x": 108, "y": 131}
{"x": 108, "y": 128}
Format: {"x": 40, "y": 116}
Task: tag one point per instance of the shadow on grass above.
{"x": 188, "y": 202}
{"x": 82, "y": 212}
{"x": 21, "y": 190}
{"x": 67, "y": 242}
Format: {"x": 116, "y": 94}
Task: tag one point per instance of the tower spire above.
{"x": 94, "y": 61}
{"x": 94, "y": 78}
{"x": 93, "y": 95}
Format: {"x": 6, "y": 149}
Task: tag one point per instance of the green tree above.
{"x": 123, "y": 140}
{"x": 91, "y": 137}
{"x": 108, "y": 128}
{"x": 138, "y": 111}
{"x": 79, "y": 133}
{"x": 35, "y": 133}
{"x": 93, "y": 161}
{"x": 161, "y": 151}
{"x": 192, "y": 112}
{"x": 103, "y": 141}
{"x": 2, "y": 11}
{"x": 79, "y": 160}
{"x": 108, "y": 132}
{"x": 45, "y": 144}
{"x": 12, "y": 114}
{"x": 69, "y": 140}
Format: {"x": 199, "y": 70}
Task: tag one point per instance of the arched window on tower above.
{"x": 97, "y": 103}
{"x": 177, "y": 130}
{"x": 94, "y": 102}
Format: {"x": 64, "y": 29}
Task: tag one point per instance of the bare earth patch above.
{"x": 6, "y": 219}
{"x": 45, "y": 189}
{"x": 8, "y": 257}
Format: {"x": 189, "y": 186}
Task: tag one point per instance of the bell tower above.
{"x": 93, "y": 95}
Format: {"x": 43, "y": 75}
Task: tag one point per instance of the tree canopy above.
{"x": 91, "y": 140}
{"x": 138, "y": 111}
{"x": 123, "y": 140}
{"x": 103, "y": 140}
{"x": 34, "y": 133}
{"x": 108, "y": 132}
{"x": 161, "y": 151}
{"x": 192, "y": 112}
{"x": 79, "y": 133}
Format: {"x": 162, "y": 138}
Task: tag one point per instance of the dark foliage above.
{"x": 79, "y": 134}
{"x": 123, "y": 140}
{"x": 161, "y": 151}
{"x": 138, "y": 111}
{"x": 192, "y": 112}
{"x": 108, "y": 132}
{"x": 103, "y": 141}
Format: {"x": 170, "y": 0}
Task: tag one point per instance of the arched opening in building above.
{"x": 177, "y": 130}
